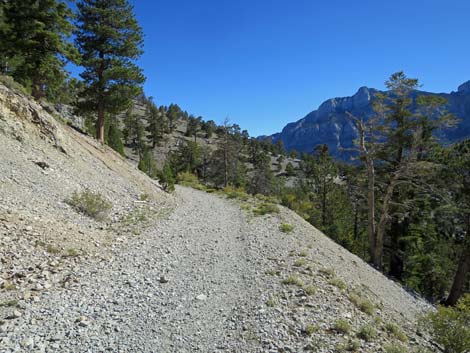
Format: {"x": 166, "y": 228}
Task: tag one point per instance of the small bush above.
{"x": 337, "y": 283}
{"x": 327, "y": 272}
{"x": 342, "y": 326}
{"x": 286, "y": 228}
{"x": 72, "y": 252}
{"x": 395, "y": 348}
{"x": 293, "y": 280}
{"x": 310, "y": 290}
{"x": 311, "y": 329}
{"x": 450, "y": 326}
{"x": 187, "y": 179}
{"x": 144, "y": 197}
{"x": 265, "y": 198}
{"x": 303, "y": 253}
{"x": 349, "y": 346}
{"x": 266, "y": 208}
{"x": 9, "y": 82}
{"x": 9, "y": 286}
{"x": 300, "y": 262}
{"x": 367, "y": 307}
{"x": 236, "y": 193}
{"x": 90, "y": 203}
{"x": 51, "y": 249}
{"x": 362, "y": 304}
{"x": 367, "y": 333}
{"x": 9, "y": 303}
{"x": 271, "y": 303}
{"x": 395, "y": 331}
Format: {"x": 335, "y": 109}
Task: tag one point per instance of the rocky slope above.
{"x": 331, "y": 125}
{"x": 169, "y": 273}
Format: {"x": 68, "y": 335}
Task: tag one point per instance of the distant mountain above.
{"x": 331, "y": 125}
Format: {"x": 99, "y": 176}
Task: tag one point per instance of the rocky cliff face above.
{"x": 330, "y": 123}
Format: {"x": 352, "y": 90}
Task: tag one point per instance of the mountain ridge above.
{"x": 330, "y": 123}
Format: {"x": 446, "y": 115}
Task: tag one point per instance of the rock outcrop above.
{"x": 330, "y": 124}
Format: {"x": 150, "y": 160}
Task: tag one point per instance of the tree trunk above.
{"x": 371, "y": 206}
{"x": 100, "y": 124}
{"x": 463, "y": 270}
{"x": 36, "y": 90}
{"x": 323, "y": 204}
{"x": 226, "y": 158}
{"x": 356, "y": 221}
{"x": 101, "y": 110}
{"x": 383, "y": 221}
{"x": 396, "y": 248}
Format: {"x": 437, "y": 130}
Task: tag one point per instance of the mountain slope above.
{"x": 331, "y": 125}
{"x": 173, "y": 273}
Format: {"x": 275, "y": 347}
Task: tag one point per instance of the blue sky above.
{"x": 264, "y": 63}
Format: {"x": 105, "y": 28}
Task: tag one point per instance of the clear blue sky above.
{"x": 265, "y": 63}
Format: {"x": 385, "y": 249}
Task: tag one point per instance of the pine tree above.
{"x": 114, "y": 137}
{"x": 262, "y": 180}
{"x": 394, "y": 140}
{"x": 193, "y": 126}
{"x": 156, "y": 124}
{"x": 35, "y": 43}
{"x": 147, "y": 163}
{"x": 457, "y": 161}
{"x": 173, "y": 114}
{"x": 109, "y": 40}
{"x": 167, "y": 179}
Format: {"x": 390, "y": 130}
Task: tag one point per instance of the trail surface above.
{"x": 183, "y": 288}
{"x": 210, "y": 277}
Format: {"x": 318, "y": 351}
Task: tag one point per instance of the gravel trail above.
{"x": 180, "y": 288}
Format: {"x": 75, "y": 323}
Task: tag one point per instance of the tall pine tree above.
{"x": 35, "y": 43}
{"x": 109, "y": 40}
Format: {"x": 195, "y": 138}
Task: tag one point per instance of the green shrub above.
{"x": 265, "y": 208}
{"x": 303, "y": 253}
{"x": 395, "y": 331}
{"x": 300, "y": 262}
{"x": 367, "y": 307}
{"x": 349, "y": 346}
{"x": 271, "y": 302}
{"x": 265, "y": 198}
{"x": 337, "y": 283}
{"x": 236, "y": 193}
{"x": 51, "y": 249}
{"x": 286, "y": 228}
{"x": 187, "y": 179}
{"x": 362, "y": 304}
{"x": 9, "y": 303}
{"x": 450, "y": 326}
{"x": 293, "y": 280}
{"x": 90, "y": 203}
{"x": 72, "y": 252}
{"x": 327, "y": 272}
{"x": 144, "y": 197}
{"x": 342, "y": 326}
{"x": 395, "y": 348}
{"x": 9, "y": 82}
{"x": 310, "y": 290}
{"x": 367, "y": 333}
{"x": 167, "y": 179}
{"x": 311, "y": 329}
